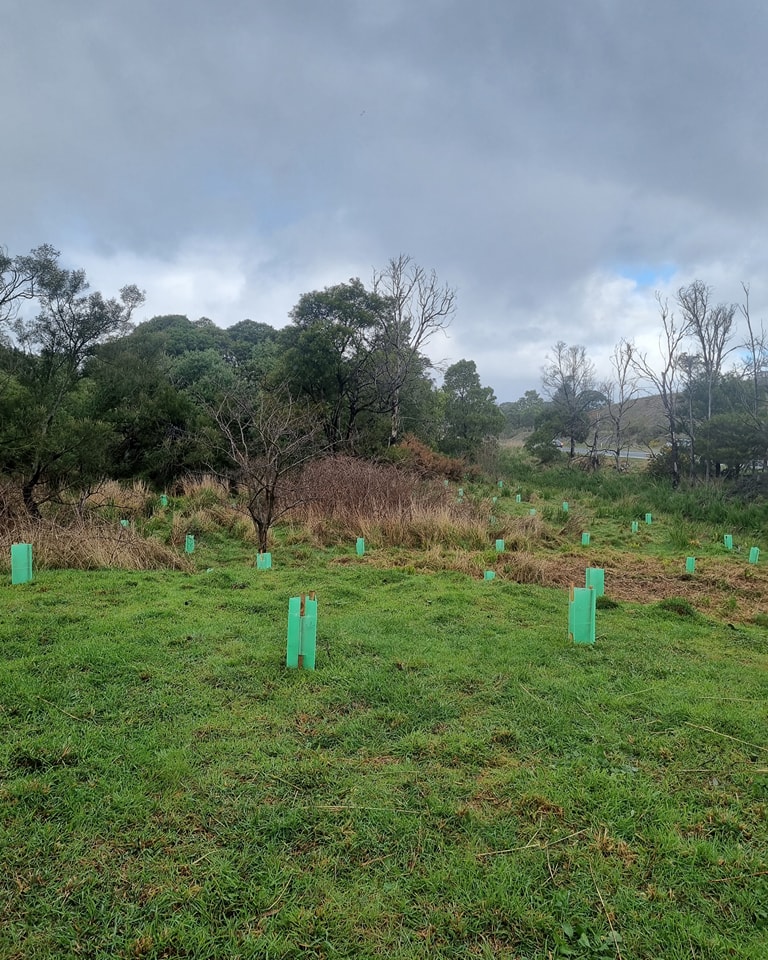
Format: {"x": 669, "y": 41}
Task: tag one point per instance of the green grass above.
{"x": 455, "y": 779}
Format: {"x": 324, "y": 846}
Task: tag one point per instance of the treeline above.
{"x": 85, "y": 394}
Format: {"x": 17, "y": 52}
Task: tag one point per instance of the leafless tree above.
{"x": 266, "y": 438}
{"x": 666, "y": 379}
{"x": 711, "y": 326}
{"x": 568, "y": 380}
{"x": 419, "y": 307}
{"x": 621, "y": 394}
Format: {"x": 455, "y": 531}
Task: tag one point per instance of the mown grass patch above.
{"x": 454, "y": 779}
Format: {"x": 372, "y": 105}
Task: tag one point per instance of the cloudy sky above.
{"x": 555, "y": 161}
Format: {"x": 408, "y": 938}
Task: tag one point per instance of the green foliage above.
{"x": 470, "y": 411}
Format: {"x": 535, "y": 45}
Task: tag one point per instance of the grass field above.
{"x": 454, "y": 780}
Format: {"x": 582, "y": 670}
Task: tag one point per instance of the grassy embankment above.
{"x": 455, "y": 779}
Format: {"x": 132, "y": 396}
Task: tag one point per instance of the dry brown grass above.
{"x": 87, "y": 544}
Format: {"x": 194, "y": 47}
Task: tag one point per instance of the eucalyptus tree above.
{"x": 568, "y": 379}
{"x": 46, "y": 362}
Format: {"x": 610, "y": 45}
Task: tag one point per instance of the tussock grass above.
{"x": 87, "y": 544}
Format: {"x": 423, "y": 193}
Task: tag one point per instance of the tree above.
{"x": 621, "y": 394}
{"x": 711, "y": 326}
{"x": 471, "y": 414}
{"x": 330, "y": 357}
{"x": 47, "y": 363}
{"x": 569, "y": 382}
{"x": 20, "y": 277}
{"x": 418, "y": 306}
{"x": 265, "y": 438}
{"x": 667, "y": 380}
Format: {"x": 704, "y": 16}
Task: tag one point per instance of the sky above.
{"x": 556, "y": 162}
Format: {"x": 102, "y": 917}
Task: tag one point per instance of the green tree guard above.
{"x": 595, "y": 577}
{"x": 565, "y": 506}
{"x": 585, "y": 539}
{"x": 494, "y": 499}
{"x": 125, "y": 523}
{"x": 532, "y": 512}
{"x": 728, "y": 541}
{"x": 445, "y": 484}
{"x": 461, "y": 492}
{"x": 499, "y": 546}
{"x": 489, "y": 575}
{"x": 21, "y": 563}
{"x": 690, "y": 564}
{"x": 264, "y": 561}
{"x": 302, "y": 632}
{"x": 635, "y": 526}
{"x": 581, "y": 615}
{"x": 648, "y": 519}
{"x": 754, "y": 554}
{"x": 501, "y": 484}
{"x": 518, "y": 498}
{"x": 360, "y": 546}
{"x": 163, "y": 500}
{"x": 189, "y": 543}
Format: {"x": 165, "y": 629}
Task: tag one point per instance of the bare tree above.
{"x": 569, "y": 383}
{"x": 419, "y": 306}
{"x": 20, "y": 277}
{"x": 621, "y": 394}
{"x": 712, "y": 329}
{"x": 666, "y": 380}
{"x": 266, "y": 439}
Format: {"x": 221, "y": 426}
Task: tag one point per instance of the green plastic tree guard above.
{"x": 754, "y": 554}
{"x": 581, "y": 615}
{"x": 125, "y": 523}
{"x": 532, "y": 512}
{"x": 648, "y": 519}
{"x": 565, "y": 506}
{"x": 302, "y": 632}
{"x": 499, "y": 546}
{"x": 690, "y": 564}
{"x": 445, "y": 484}
{"x": 189, "y": 543}
{"x": 501, "y": 484}
{"x": 728, "y": 541}
{"x": 461, "y": 492}
{"x": 585, "y": 539}
{"x": 595, "y": 577}
{"x": 518, "y": 498}
{"x": 489, "y": 575}
{"x": 360, "y": 546}
{"x": 264, "y": 561}
{"x": 494, "y": 499}
{"x": 21, "y": 563}
{"x": 163, "y": 500}
{"x": 635, "y": 526}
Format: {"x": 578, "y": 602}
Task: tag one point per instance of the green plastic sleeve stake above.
{"x": 501, "y": 484}
{"x": 494, "y": 499}
{"x": 302, "y": 632}
{"x": 690, "y": 564}
{"x": 518, "y": 498}
{"x": 125, "y": 523}
{"x": 532, "y": 512}
{"x": 754, "y": 554}
{"x": 635, "y": 526}
{"x": 565, "y": 506}
{"x": 499, "y": 546}
{"x": 728, "y": 541}
{"x": 489, "y": 575}
{"x": 595, "y": 577}
{"x": 461, "y": 492}
{"x": 360, "y": 546}
{"x": 189, "y": 543}
{"x": 21, "y": 563}
{"x": 581, "y": 615}
{"x": 264, "y": 561}
{"x": 163, "y": 500}
{"x": 445, "y": 483}
{"x": 648, "y": 518}
{"x": 585, "y": 539}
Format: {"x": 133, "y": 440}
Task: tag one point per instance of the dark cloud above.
{"x": 547, "y": 159}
